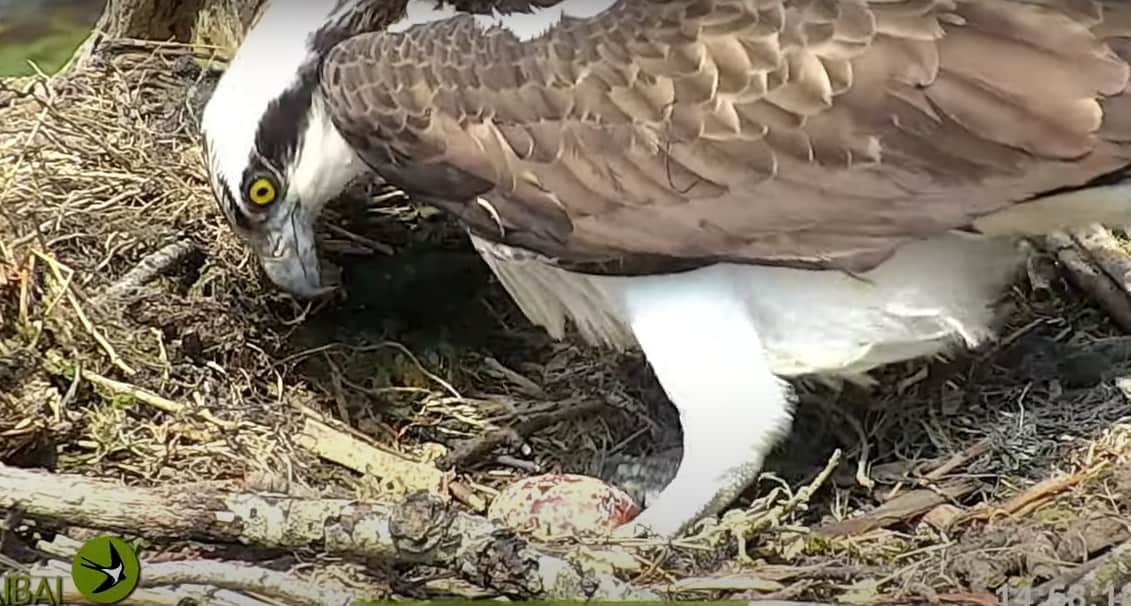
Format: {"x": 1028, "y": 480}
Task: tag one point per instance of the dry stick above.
{"x": 473, "y": 449}
{"x": 149, "y": 268}
{"x": 1032, "y": 497}
{"x": 1098, "y": 579}
{"x": 517, "y": 379}
{"x": 111, "y": 353}
{"x": 1107, "y": 252}
{"x": 1114, "y": 300}
{"x": 419, "y": 529}
{"x": 959, "y": 459}
{"x": 952, "y": 463}
{"x": 338, "y": 443}
{"x": 144, "y": 396}
{"x": 151, "y": 399}
{"x": 353, "y": 453}
{"x": 908, "y": 505}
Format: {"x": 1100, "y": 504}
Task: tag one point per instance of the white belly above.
{"x": 931, "y": 295}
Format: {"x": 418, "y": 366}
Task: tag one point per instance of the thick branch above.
{"x": 150, "y": 19}
{"x": 162, "y": 20}
{"x": 151, "y": 595}
{"x": 420, "y": 529}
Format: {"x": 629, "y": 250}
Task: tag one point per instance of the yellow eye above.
{"x": 262, "y": 191}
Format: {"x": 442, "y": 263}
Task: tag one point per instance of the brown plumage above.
{"x": 907, "y": 141}
{"x": 816, "y": 133}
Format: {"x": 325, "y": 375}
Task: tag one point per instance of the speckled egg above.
{"x": 560, "y": 505}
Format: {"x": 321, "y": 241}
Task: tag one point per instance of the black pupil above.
{"x": 261, "y": 192}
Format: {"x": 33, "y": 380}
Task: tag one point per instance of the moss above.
{"x": 1056, "y": 516}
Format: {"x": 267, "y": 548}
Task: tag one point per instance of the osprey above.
{"x": 746, "y": 190}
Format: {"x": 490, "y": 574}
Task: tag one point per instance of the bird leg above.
{"x": 700, "y": 338}
{"x": 643, "y": 477}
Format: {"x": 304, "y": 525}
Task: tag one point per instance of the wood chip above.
{"x": 397, "y": 475}
{"x": 902, "y": 508}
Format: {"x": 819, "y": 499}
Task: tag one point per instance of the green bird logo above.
{"x": 106, "y": 570}
{"x": 115, "y": 572}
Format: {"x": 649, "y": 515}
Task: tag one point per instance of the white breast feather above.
{"x": 325, "y": 163}
{"x": 930, "y": 296}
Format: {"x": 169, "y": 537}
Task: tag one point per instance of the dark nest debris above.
{"x": 140, "y": 345}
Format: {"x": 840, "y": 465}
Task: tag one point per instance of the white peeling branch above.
{"x": 421, "y": 528}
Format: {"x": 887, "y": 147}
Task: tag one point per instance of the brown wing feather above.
{"x": 818, "y": 133}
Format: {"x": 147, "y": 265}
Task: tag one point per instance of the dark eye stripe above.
{"x": 285, "y": 119}
{"x": 227, "y": 203}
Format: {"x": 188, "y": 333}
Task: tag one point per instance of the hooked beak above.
{"x": 288, "y": 254}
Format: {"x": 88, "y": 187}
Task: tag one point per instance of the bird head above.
{"x": 274, "y": 156}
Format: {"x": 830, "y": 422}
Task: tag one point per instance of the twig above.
{"x": 959, "y": 459}
{"x": 120, "y": 44}
{"x": 1095, "y": 579}
{"x": 517, "y": 463}
{"x": 807, "y": 491}
{"x": 146, "y": 397}
{"x": 952, "y": 463}
{"x": 471, "y": 450}
{"x": 419, "y": 529}
{"x": 528, "y": 387}
{"x": 149, "y": 268}
{"x": 1106, "y": 251}
{"x": 400, "y": 474}
{"x": 862, "y": 477}
{"x": 389, "y": 194}
{"x": 783, "y": 572}
{"x": 744, "y": 524}
{"x": 149, "y": 398}
{"x": 1115, "y": 301}
{"x": 903, "y": 507}
{"x": 1032, "y": 497}
{"x": 448, "y": 387}
{"x": 56, "y": 271}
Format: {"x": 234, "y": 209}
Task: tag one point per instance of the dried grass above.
{"x": 206, "y": 373}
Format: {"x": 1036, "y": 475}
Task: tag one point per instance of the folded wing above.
{"x": 669, "y": 133}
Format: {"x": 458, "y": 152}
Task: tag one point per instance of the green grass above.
{"x": 49, "y": 50}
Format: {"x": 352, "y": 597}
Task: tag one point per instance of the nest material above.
{"x": 185, "y": 366}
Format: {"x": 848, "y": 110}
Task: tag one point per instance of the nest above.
{"x": 140, "y": 344}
